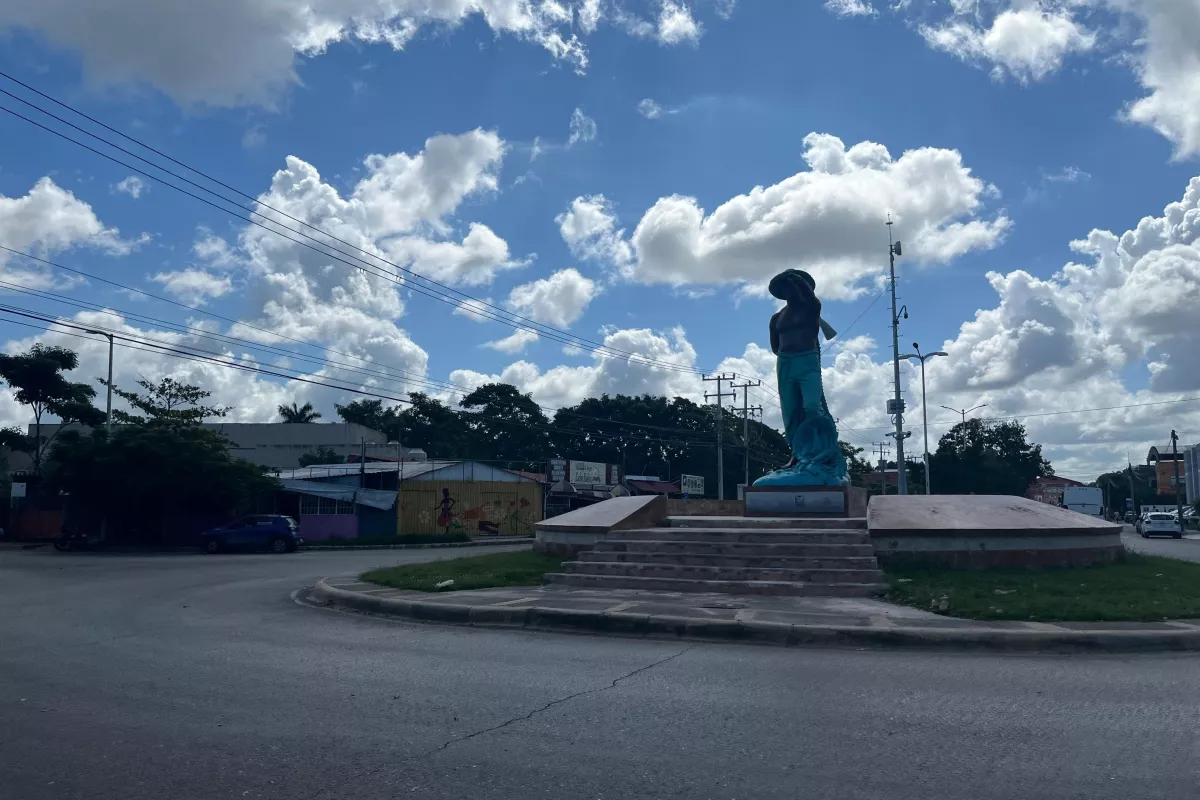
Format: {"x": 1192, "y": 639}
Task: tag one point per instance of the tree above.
{"x": 370, "y": 414}
{"x": 441, "y": 431}
{"x": 322, "y": 455}
{"x": 169, "y": 402}
{"x": 857, "y": 467}
{"x": 38, "y": 381}
{"x": 299, "y": 414}
{"x": 149, "y": 474}
{"x": 501, "y": 423}
{"x": 981, "y": 458}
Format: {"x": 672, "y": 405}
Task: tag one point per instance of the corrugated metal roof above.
{"x": 655, "y": 487}
{"x": 318, "y": 471}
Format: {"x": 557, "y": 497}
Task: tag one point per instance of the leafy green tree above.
{"x": 37, "y": 380}
{"x": 169, "y": 402}
{"x": 857, "y": 467}
{"x": 148, "y": 474}
{"x": 370, "y": 414}
{"x": 433, "y": 426}
{"x": 322, "y": 455}
{"x": 501, "y": 423}
{"x": 981, "y": 458}
{"x": 299, "y": 414}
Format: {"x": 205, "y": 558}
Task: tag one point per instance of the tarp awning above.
{"x": 375, "y": 498}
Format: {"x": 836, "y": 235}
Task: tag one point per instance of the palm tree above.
{"x": 295, "y": 413}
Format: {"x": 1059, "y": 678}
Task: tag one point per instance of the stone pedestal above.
{"x": 797, "y": 501}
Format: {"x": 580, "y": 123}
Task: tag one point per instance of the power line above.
{"x": 550, "y": 332}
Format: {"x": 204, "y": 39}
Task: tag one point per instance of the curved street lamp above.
{"x": 924, "y": 409}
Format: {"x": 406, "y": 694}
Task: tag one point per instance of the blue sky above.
{"x": 1011, "y": 129}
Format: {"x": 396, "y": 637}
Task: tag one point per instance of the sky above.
{"x": 583, "y": 197}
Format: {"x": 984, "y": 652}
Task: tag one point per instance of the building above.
{"x": 1049, "y": 489}
{"x": 1191, "y": 473}
{"x": 278, "y": 445}
{"x": 1164, "y": 460}
{"x": 351, "y": 501}
{"x": 650, "y": 484}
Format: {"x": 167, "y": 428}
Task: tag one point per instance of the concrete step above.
{"x": 769, "y": 523}
{"x": 753, "y": 574}
{"x": 732, "y": 562}
{"x": 738, "y": 549}
{"x": 731, "y": 535}
{"x": 715, "y": 586}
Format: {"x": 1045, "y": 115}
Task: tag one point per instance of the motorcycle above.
{"x": 74, "y": 540}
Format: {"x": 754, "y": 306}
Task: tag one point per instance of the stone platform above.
{"x": 829, "y": 557}
{"x": 981, "y": 531}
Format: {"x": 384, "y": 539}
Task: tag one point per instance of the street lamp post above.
{"x": 924, "y": 407}
{"x": 108, "y": 401}
{"x": 962, "y": 434}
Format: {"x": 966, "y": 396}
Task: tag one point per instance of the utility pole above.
{"x": 883, "y": 450}
{"x": 746, "y": 411}
{"x": 1178, "y": 501}
{"x": 962, "y": 430}
{"x": 897, "y": 405}
{"x": 723, "y": 377}
{"x": 1131, "y": 494}
{"x": 362, "y": 464}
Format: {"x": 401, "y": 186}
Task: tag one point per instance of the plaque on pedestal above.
{"x": 796, "y": 501}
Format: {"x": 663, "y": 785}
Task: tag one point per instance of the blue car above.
{"x": 273, "y": 532}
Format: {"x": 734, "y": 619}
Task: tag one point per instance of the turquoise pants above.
{"x": 800, "y": 392}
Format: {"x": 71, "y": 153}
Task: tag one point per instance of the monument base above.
{"x": 802, "y": 501}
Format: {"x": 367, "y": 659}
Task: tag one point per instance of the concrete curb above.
{"x": 1005, "y": 640}
{"x": 474, "y": 543}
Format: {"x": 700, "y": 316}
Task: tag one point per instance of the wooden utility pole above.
{"x": 723, "y": 377}
{"x": 747, "y": 410}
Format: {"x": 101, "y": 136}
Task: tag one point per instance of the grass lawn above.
{"x": 521, "y": 568}
{"x": 1138, "y": 587}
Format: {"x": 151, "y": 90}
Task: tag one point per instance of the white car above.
{"x": 1158, "y": 523}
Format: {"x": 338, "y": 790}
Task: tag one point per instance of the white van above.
{"x": 1084, "y": 500}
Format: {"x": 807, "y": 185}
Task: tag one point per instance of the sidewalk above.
{"x": 788, "y": 621}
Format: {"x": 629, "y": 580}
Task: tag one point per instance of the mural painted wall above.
{"x": 477, "y": 508}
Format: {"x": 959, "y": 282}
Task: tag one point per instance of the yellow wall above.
{"x": 479, "y": 507}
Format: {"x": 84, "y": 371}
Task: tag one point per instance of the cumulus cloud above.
{"x": 247, "y": 52}
{"x": 565, "y": 385}
{"x": 589, "y": 228}
{"x": 649, "y": 109}
{"x": 558, "y": 300}
{"x": 194, "y": 286}
{"x": 581, "y": 129}
{"x": 1168, "y": 68}
{"x": 827, "y": 220}
{"x": 474, "y": 310}
{"x": 514, "y": 343}
{"x": 1028, "y": 42}
{"x": 676, "y": 24}
{"x": 48, "y": 220}
{"x": 132, "y": 186}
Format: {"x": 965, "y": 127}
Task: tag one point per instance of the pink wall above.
{"x": 316, "y": 527}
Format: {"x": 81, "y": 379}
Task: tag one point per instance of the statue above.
{"x": 817, "y": 459}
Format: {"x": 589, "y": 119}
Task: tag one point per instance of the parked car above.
{"x": 273, "y": 532}
{"x": 1158, "y": 523}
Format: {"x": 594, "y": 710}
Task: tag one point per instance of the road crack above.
{"x": 446, "y": 745}
{"x": 524, "y": 717}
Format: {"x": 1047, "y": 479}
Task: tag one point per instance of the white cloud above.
{"x": 827, "y": 220}
{"x": 1168, "y": 68}
{"x": 514, "y": 343}
{"x": 650, "y": 109}
{"x": 254, "y": 137}
{"x": 1026, "y": 42}
{"x": 850, "y": 8}
{"x": 132, "y": 186}
{"x": 590, "y": 230}
{"x": 247, "y": 52}
{"x": 558, "y": 300}
{"x": 475, "y": 310}
{"x": 676, "y": 24}
{"x": 588, "y": 13}
{"x": 48, "y": 220}
{"x": 1069, "y": 175}
{"x": 213, "y": 249}
{"x": 194, "y": 286}
{"x": 565, "y": 386}
{"x": 582, "y": 128}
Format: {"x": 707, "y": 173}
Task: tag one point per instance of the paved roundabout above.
{"x": 194, "y": 676}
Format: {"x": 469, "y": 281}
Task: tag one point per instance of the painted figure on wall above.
{"x": 445, "y": 510}
{"x": 816, "y": 458}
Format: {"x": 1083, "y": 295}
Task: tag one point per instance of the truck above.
{"x": 1084, "y": 500}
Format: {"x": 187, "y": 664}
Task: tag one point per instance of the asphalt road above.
{"x": 199, "y": 677}
{"x": 1187, "y": 548}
